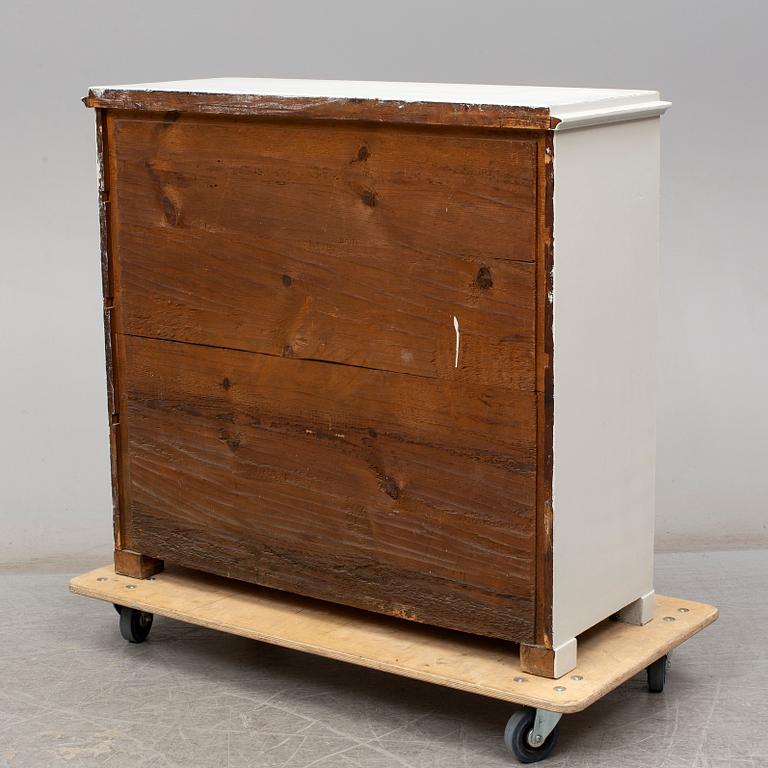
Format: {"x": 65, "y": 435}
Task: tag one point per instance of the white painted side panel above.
{"x": 605, "y": 263}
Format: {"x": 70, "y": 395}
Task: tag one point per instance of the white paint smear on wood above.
{"x": 456, "y": 328}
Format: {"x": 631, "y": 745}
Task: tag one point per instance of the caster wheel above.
{"x": 657, "y": 675}
{"x": 516, "y": 734}
{"x": 118, "y": 608}
{"x": 135, "y": 625}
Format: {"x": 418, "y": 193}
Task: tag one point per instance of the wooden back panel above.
{"x": 291, "y": 409}
{"x": 351, "y": 244}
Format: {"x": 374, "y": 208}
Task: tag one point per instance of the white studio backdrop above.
{"x": 706, "y": 57}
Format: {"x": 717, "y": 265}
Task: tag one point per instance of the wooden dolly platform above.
{"x": 609, "y": 653}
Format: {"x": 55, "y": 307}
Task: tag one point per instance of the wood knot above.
{"x": 369, "y": 198}
{"x": 391, "y": 488}
{"x": 170, "y": 211}
{"x": 484, "y": 279}
{"x": 226, "y": 383}
{"x": 232, "y": 442}
{"x": 362, "y": 154}
{"x": 152, "y": 171}
{"x": 286, "y": 280}
{"x": 372, "y": 432}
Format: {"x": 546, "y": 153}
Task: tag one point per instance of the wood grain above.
{"x": 351, "y": 244}
{"x": 409, "y": 496}
{"x": 537, "y": 660}
{"x": 107, "y": 286}
{"x": 340, "y": 109}
{"x": 135, "y": 564}
{"x": 287, "y": 407}
{"x": 609, "y": 654}
{"x": 545, "y": 391}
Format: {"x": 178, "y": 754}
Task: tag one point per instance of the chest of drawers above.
{"x": 389, "y": 345}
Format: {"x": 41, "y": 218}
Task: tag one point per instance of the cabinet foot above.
{"x": 548, "y": 662}
{"x": 639, "y": 611}
{"x": 128, "y": 563}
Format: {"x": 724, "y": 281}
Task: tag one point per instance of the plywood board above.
{"x": 609, "y": 654}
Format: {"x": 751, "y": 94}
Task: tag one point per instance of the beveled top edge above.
{"x": 451, "y": 93}
{"x": 259, "y": 95}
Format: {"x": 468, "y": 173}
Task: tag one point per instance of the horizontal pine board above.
{"x": 347, "y": 243}
{"x": 406, "y": 495}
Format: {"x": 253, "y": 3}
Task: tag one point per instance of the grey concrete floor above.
{"x": 73, "y": 693}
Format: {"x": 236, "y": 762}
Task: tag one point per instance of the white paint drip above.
{"x": 456, "y": 328}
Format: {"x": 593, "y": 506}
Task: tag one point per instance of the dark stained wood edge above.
{"x": 544, "y": 391}
{"x": 113, "y": 423}
{"x": 128, "y": 563}
{"x": 373, "y": 110}
{"x": 101, "y": 150}
{"x": 112, "y": 344}
{"x": 108, "y": 297}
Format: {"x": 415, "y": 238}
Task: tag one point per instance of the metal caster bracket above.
{"x": 543, "y": 725}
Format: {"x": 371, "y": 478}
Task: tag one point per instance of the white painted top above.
{"x": 572, "y": 106}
